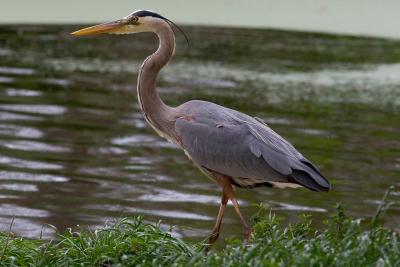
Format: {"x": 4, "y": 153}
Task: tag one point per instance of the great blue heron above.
{"x": 227, "y": 145}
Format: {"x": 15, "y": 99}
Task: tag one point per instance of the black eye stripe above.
{"x": 146, "y": 13}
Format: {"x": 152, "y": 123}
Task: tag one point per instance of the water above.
{"x": 75, "y": 149}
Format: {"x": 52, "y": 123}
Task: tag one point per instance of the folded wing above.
{"x": 247, "y": 150}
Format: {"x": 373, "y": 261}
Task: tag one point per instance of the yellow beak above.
{"x": 108, "y": 27}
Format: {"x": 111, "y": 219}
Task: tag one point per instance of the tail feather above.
{"x": 305, "y": 179}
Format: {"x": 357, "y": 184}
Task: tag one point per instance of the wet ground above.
{"x": 75, "y": 149}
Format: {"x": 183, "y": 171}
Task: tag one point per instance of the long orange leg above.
{"x": 227, "y": 193}
{"x": 215, "y": 232}
{"x": 231, "y": 196}
{"x": 246, "y": 227}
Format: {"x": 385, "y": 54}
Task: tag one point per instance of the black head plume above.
{"x": 147, "y": 13}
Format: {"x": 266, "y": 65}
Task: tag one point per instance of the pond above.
{"x": 75, "y": 149}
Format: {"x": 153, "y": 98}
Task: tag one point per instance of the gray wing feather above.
{"x": 225, "y": 150}
{"x": 244, "y": 147}
{"x": 276, "y": 160}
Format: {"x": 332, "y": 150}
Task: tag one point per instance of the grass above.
{"x": 344, "y": 241}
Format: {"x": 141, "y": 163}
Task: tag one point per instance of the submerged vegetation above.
{"x": 345, "y": 241}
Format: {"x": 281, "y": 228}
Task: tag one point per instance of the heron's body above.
{"x": 227, "y": 145}
{"x": 242, "y": 147}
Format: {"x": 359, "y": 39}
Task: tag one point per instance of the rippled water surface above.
{"x": 75, "y": 149}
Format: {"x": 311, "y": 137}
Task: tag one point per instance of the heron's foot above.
{"x": 247, "y": 234}
{"x": 211, "y": 240}
{"x": 213, "y": 237}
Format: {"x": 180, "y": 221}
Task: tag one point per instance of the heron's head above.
{"x": 138, "y": 21}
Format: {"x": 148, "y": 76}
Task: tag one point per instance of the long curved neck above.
{"x": 159, "y": 115}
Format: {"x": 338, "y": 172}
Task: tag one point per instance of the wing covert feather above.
{"x": 237, "y": 145}
{"x": 231, "y": 150}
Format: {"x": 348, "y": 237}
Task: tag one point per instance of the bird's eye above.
{"x": 133, "y": 20}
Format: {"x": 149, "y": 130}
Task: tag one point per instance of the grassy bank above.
{"x": 344, "y": 241}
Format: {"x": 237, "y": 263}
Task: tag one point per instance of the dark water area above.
{"x": 75, "y": 149}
